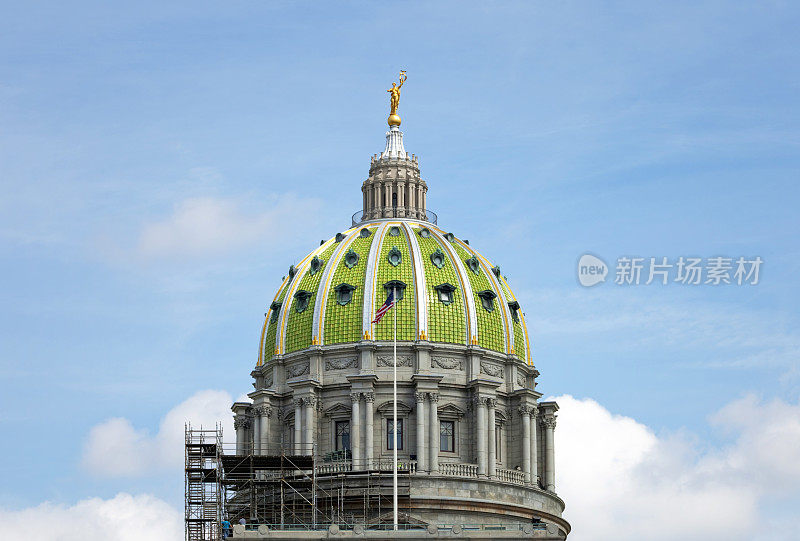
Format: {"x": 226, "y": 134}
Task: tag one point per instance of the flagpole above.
{"x": 394, "y": 393}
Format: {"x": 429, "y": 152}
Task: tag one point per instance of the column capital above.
{"x": 433, "y": 397}
{"x": 242, "y": 423}
{"x": 355, "y": 397}
{"x": 481, "y": 401}
{"x": 420, "y": 397}
{"x": 369, "y": 397}
{"x": 263, "y": 411}
{"x": 525, "y": 410}
{"x": 491, "y": 402}
{"x": 549, "y": 422}
{"x": 309, "y": 401}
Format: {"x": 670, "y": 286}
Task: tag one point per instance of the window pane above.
{"x": 390, "y": 434}
{"x": 447, "y": 436}
{"x": 342, "y": 435}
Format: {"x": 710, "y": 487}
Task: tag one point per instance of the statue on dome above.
{"x": 394, "y": 118}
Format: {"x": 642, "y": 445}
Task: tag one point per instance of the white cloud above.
{"x": 622, "y": 481}
{"x": 206, "y": 226}
{"x": 122, "y": 518}
{"x": 115, "y": 448}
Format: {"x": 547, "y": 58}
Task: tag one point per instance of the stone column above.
{"x": 534, "y": 446}
{"x": 480, "y": 413}
{"x": 492, "y": 433}
{"x": 369, "y": 427}
{"x": 298, "y": 426}
{"x": 256, "y": 432}
{"x": 422, "y": 453}
{"x": 550, "y": 465}
{"x": 355, "y": 430}
{"x": 241, "y": 424}
{"x": 525, "y": 414}
{"x": 433, "y": 444}
{"x": 308, "y": 440}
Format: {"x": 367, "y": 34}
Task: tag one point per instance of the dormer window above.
{"x": 450, "y": 237}
{"x": 473, "y": 264}
{"x": 275, "y": 309}
{"x": 514, "y": 307}
{"x": 444, "y": 292}
{"x": 344, "y": 293}
{"x": 437, "y": 258}
{"x": 339, "y": 237}
{"x": 315, "y": 265}
{"x": 350, "y": 259}
{"x": 425, "y": 233}
{"x": 496, "y": 271}
{"x": 394, "y": 231}
{"x": 301, "y": 300}
{"x": 364, "y": 233}
{"x": 292, "y": 271}
{"x": 394, "y": 257}
{"x": 487, "y": 299}
{"x": 398, "y": 286}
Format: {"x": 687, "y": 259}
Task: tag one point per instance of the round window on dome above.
{"x": 351, "y": 259}
{"x": 301, "y": 300}
{"x": 394, "y": 257}
{"x": 437, "y": 258}
{"x": 364, "y": 233}
{"x": 425, "y": 233}
{"x": 473, "y": 265}
{"x": 394, "y": 231}
{"x": 315, "y": 265}
{"x": 487, "y": 299}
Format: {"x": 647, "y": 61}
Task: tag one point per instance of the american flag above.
{"x": 385, "y": 308}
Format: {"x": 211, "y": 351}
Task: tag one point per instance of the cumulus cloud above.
{"x": 623, "y": 481}
{"x": 124, "y": 517}
{"x": 207, "y": 226}
{"x": 115, "y": 448}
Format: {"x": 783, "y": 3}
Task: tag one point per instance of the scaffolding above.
{"x": 284, "y": 488}
{"x": 203, "y": 490}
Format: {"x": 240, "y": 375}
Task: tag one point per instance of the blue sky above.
{"x": 162, "y": 166}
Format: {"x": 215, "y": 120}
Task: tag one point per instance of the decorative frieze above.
{"x": 447, "y": 363}
{"x": 298, "y": 369}
{"x": 491, "y": 369}
{"x": 341, "y": 363}
{"x": 388, "y": 360}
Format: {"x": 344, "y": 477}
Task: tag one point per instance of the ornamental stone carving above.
{"x": 521, "y": 379}
{"x": 481, "y": 400}
{"x": 341, "y": 363}
{"x": 420, "y": 397}
{"x": 491, "y": 402}
{"x": 433, "y": 397}
{"x": 263, "y": 411}
{"x": 525, "y": 410}
{"x": 242, "y": 423}
{"x": 491, "y": 369}
{"x": 310, "y": 401}
{"x": 298, "y": 369}
{"x": 549, "y": 422}
{"x": 447, "y": 363}
{"x": 355, "y": 397}
{"x": 369, "y": 397}
{"x": 268, "y": 381}
{"x": 388, "y": 360}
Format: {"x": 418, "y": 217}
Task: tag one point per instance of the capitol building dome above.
{"x": 475, "y": 443}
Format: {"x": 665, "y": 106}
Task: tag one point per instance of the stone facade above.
{"x": 512, "y": 473}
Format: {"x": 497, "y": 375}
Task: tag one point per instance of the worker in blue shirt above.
{"x": 226, "y": 529}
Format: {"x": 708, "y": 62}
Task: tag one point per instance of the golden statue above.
{"x": 394, "y": 118}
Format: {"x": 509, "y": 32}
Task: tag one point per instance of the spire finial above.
{"x": 394, "y": 118}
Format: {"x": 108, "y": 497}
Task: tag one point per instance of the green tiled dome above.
{"x": 449, "y": 293}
